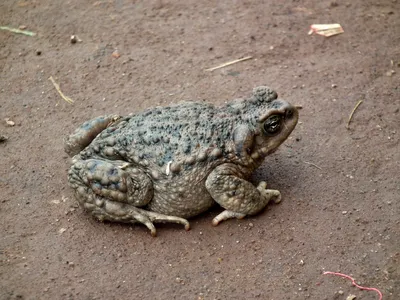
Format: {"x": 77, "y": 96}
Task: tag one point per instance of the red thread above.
{"x": 355, "y": 284}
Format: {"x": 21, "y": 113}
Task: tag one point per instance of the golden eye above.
{"x": 273, "y": 124}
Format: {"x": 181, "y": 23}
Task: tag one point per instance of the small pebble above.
{"x": 73, "y": 39}
{"x": 3, "y": 138}
{"x": 9, "y": 122}
{"x": 390, "y": 73}
{"x": 116, "y": 54}
{"x": 178, "y": 279}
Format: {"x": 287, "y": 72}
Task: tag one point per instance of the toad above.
{"x": 167, "y": 164}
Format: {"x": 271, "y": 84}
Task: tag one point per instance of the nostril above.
{"x": 289, "y": 112}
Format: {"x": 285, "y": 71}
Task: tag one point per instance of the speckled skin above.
{"x": 167, "y": 164}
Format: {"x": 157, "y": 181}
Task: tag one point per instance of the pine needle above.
{"x": 352, "y": 113}
{"x": 16, "y": 30}
{"x": 68, "y": 99}
{"x": 229, "y": 63}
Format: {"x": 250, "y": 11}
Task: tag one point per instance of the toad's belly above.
{"x": 181, "y": 200}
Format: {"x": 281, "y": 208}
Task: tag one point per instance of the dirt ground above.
{"x": 340, "y": 187}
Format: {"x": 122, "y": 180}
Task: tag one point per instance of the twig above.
{"x": 355, "y": 284}
{"x": 314, "y": 165}
{"x": 68, "y": 99}
{"x": 352, "y": 113}
{"x": 16, "y": 30}
{"x": 229, "y": 63}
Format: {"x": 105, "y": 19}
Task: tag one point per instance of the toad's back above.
{"x": 164, "y": 135}
{"x": 181, "y": 129}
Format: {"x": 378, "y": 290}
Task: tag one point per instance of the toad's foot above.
{"x": 225, "y": 215}
{"x": 274, "y": 195}
{"x": 107, "y": 210}
{"x": 238, "y": 196}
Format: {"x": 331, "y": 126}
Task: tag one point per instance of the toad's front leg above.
{"x": 86, "y": 133}
{"x": 238, "y": 196}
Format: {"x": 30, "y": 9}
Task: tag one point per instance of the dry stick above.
{"x": 352, "y": 113}
{"x": 314, "y": 165}
{"x": 68, "y": 99}
{"x": 229, "y": 63}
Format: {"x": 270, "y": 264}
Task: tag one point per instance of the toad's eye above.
{"x": 273, "y": 124}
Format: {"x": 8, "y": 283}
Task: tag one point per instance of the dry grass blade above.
{"x": 66, "y": 98}
{"x": 16, "y": 30}
{"x": 229, "y": 63}
{"x": 352, "y": 113}
{"x": 311, "y": 164}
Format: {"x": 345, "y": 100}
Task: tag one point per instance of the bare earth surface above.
{"x": 340, "y": 187}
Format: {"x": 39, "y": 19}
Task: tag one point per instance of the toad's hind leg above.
{"x": 107, "y": 210}
{"x": 114, "y": 191}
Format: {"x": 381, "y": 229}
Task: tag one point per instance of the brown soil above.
{"x": 341, "y": 186}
